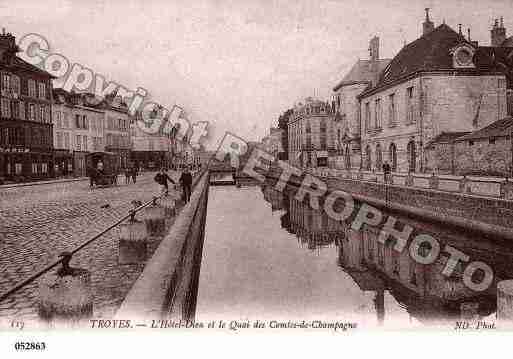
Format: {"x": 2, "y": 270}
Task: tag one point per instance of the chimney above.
{"x": 7, "y": 43}
{"x": 498, "y": 33}
{"x": 374, "y": 59}
{"x": 374, "y": 49}
{"x": 427, "y": 25}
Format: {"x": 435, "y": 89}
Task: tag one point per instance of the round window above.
{"x": 464, "y": 57}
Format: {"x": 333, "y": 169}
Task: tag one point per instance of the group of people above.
{"x": 131, "y": 173}
{"x": 163, "y": 179}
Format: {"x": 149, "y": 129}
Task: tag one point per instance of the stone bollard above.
{"x": 505, "y": 303}
{"x": 464, "y": 185}
{"x": 434, "y": 181}
{"x": 65, "y": 295}
{"x": 408, "y": 181}
{"x": 155, "y": 219}
{"x": 169, "y": 204}
{"x": 469, "y": 311}
{"x": 506, "y": 190}
{"x": 133, "y": 242}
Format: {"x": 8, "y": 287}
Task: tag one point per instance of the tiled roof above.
{"x": 446, "y": 137}
{"x": 432, "y": 52}
{"x": 500, "y": 128}
{"x": 361, "y": 72}
{"x": 21, "y": 64}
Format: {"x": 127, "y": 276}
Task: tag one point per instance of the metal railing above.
{"x": 65, "y": 257}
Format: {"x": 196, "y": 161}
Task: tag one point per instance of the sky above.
{"x": 236, "y": 64}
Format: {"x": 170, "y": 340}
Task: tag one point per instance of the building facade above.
{"x": 78, "y": 129}
{"x": 440, "y": 83}
{"x": 346, "y": 106}
{"x": 149, "y": 151}
{"x": 311, "y": 134}
{"x": 26, "y": 140}
{"x": 117, "y": 128}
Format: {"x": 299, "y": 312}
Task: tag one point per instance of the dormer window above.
{"x": 463, "y": 56}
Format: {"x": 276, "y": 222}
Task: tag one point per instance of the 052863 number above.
{"x": 30, "y": 346}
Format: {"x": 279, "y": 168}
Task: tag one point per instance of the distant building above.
{"x": 439, "y": 83}
{"x": 345, "y": 105}
{"x": 78, "y": 129}
{"x": 149, "y": 150}
{"x": 310, "y": 134}
{"x": 117, "y": 130}
{"x": 26, "y": 140}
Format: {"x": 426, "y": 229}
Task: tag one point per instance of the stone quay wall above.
{"x": 487, "y": 215}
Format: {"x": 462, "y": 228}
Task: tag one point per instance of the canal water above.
{"x": 269, "y": 257}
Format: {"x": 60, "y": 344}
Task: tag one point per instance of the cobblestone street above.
{"x": 39, "y": 222}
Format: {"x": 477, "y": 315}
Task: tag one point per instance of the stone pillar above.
{"x": 408, "y": 181}
{"x": 155, "y": 219}
{"x": 434, "y": 181}
{"x": 507, "y": 190}
{"x": 65, "y": 295}
{"x": 133, "y": 242}
{"x": 464, "y": 185}
{"x": 169, "y": 204}
{"x": 469, "y": 311}
{"x": 505, "y": 302}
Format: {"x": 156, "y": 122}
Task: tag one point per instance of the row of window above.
{"x": 117, "y": 124}
{"x": 374, "y": 159}
{"x": 11, "y": 84}
{"x": 374, "y": 121}
{"x": 117, "y": 141}
{"x": 20, "y": 110}
{"x": 24, "y": 137}
{"x": 37, "y": 168}
{"x": 82, "y": 142}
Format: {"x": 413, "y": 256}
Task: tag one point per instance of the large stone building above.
{"x": 439, "y": 83}
{"x": 79, "y": 128}
{"x": 346, "y": 107}
{"x": 26, "y": 139}
{"x": 311, "y": 134}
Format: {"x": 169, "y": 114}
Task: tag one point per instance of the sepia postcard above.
{"x": 175, "y": 171}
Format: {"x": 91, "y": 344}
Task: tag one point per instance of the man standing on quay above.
{"x": 186, "y": 182}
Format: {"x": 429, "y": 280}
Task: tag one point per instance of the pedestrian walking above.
{"x": 134, "y": 173}
{"x": 163, "y": 178}
{"x": 127, "y": 175}
{"x": 386, "y": 172}
{"x": 186, "y": 182}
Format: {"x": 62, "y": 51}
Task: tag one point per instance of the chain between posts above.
{"x": 65, "y": 257}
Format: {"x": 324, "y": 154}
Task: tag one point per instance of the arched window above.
{"x": 393, "y": 157}
{"x": 412, "y": 156}
{"x": 379, "y": 158}
{"x": 368, "y": 158}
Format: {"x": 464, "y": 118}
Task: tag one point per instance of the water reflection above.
{"x": 425, "y": 293}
